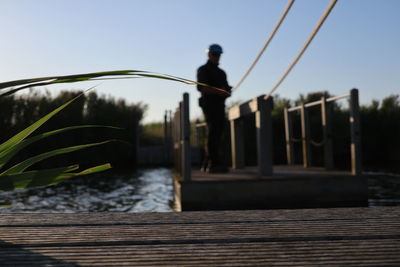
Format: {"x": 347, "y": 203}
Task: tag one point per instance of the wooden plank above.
{"x": 195, "y": 233}
{"x": 297, "y": 254}
{"x": 116, "y": 218}
{"x": 227, "y": 231}
{"x": 237, "y": 143}
{"x": 246, "y": 108}
{"x": 263, "y": 117}
{"x": 313, "y": 237}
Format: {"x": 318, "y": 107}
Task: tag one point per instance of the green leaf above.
{"x": 63, "y": 176}
{"x": 92, "y": 170}
{"x": 45, "y": 177}
{"x": 6, "y": 155}
{"x": 22, "y": 180}
{"x": 22, "y": 166}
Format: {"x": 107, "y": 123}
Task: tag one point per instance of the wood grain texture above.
{"x": 348, "y": 236}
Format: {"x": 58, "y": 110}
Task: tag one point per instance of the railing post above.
{"x": 264, "y": 136}
{"x": 178, "y": 138}
{"x": 185, "y": 139}
{"x": 355, "y": 133}
{"x": 196, "y": 135}
{"x": 288, "y": 137}
{"x": 136, "y": 142}
{"x": 305, "y": 135}
{"x": 327, "y": 133}
{"x": 166, "y": 138}
{"x": 237, "y": 143}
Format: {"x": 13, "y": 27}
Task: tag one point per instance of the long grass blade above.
{"x": 55, "y": 180}
{"x": 7, "y": 154}
{"x": 66, "y": 175}
{"x": 22, "y": 166}
{"x": 43, "y": 177}
{"x": 14, "y": 83}
{"x": 120, "y": 74}
{"x": 90, "y": 170}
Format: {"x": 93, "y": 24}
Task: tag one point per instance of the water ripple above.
{"x": 141, "y": 191}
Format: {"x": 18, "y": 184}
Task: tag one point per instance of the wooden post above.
{"x": 178, "y": 139}
{"x": 185, "y": 125}
{"x": 264, "y": 136}
{"x": 327, "y": 133}
{"x": 305, "y": 135}
{"x": 196, "y": 135}
{"x": 237, "y": 143}
{"x": 166, "y": 138}
{"x": 179, "y": 123}
{"x": 288, "y": 137}
{"x": 136, "y": 143}
{"x": 355, "y": 133}
{"x": 171, "y": 137}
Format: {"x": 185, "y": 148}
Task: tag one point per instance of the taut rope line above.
{"x": 278, "y": 24}
{"x": 306, "y": 44}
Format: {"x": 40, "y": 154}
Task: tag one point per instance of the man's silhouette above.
{"x": 212, "y": 102}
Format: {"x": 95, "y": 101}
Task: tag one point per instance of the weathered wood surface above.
{"x": 345, "y": 237}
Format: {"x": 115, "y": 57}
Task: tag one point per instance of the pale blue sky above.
{"x": 358, "y": 46}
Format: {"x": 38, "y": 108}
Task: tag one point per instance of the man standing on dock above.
{"x": 212, "y": 102}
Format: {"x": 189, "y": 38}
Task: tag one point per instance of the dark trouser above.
{"x": 215, "y": 119}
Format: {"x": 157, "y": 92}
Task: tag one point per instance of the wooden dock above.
{"x": 288, "y": 187}
{"x": 267, "y": 186}
{"x": 303, "y": 237}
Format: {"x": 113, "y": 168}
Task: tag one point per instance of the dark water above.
{"x": 383, "y": 189}
{"x": 143, "y": 191}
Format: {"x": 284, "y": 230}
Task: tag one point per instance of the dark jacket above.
{"x": 212, "y": 75}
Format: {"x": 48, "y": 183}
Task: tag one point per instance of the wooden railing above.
{"x": 181, "y": 138}
{"x": 200, "y": 133}
{"x": 263, "y": 123}
{"x": 306, "y": 141}
{"x": 262, "y": 109}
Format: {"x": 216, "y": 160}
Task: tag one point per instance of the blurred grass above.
{"x": 152, "y": 134}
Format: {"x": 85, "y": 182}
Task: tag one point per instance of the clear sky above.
{"x": 358, "y": 46}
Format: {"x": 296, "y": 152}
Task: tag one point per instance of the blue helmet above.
{"x": 214, "y": 48}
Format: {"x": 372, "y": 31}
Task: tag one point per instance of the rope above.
{"x": 306, "y": 44}
{"x": 278, "y": 24}
{"x": 317, "y": 144}
{"x": 296, "y": 140}
{"x": 312, "y": 142}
